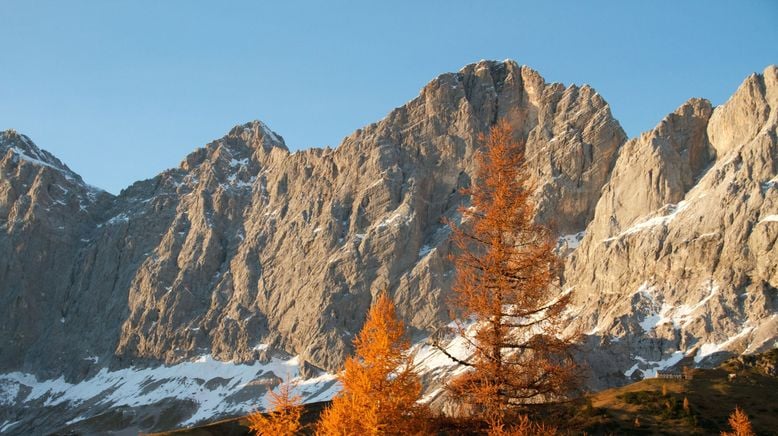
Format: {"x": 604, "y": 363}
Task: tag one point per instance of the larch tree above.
{"x": 523, "y": 426}
{"x": 741, "y": 425}
{"x": 505, "y": 273}
{"x": 380, "y": 388}
{"x": 284, "y": 416}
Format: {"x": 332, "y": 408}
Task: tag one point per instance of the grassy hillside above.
{"x": 711, "y": 398}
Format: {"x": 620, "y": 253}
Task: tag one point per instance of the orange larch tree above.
{"x": 284, "y": 416}
{"x": 506, "y": 268}
{"x": 741, "y": 425}
{"x": 380, "y": 387}
{"x": 522, "y": 426}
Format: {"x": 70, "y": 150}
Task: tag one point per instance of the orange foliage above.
{"x": 741, "y": 426}
{"x": 524, "y": 427}
{"x": 380, "y": 387}
{"x": 284, "y": 416}
{"x": 506, "y": 267}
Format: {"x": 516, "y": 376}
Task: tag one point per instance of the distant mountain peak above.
{"x": 23, "y": 148}
{"x": 257, "y": 132}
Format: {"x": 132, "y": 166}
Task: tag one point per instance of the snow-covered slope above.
{"x": 199, "y": 390}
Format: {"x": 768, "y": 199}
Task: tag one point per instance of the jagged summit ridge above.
{"x": 680, "y": 256}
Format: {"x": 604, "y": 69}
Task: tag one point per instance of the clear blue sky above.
{"x": 123, "y": 90}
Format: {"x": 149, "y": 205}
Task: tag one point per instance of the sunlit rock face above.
{"x": 246, "y": 242}
{"x": 680, "y": 259}
{"x": 247, "y": 252}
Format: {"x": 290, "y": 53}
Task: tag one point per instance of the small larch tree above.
{"x": 522, "y": 427}
{"x": 506, "y": 268}
{"x": 380, "y": 388}
{"x": 284, "y": 416}
{"x": 741, "y": 425}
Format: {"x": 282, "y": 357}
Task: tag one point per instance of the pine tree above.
{"x": 284, "y": 416}
{"x": 506, "y": 268}
{"x": 741, "y": 425}
{"x": 380, "y": 388}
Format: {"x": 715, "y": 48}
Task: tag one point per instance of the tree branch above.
{"x": 455, "y": 359}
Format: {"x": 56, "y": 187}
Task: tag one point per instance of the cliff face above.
{"x": 45, "y": 212}
{"x": 680, "y": 258}
{"x": 247, "y": 250}
{"x": 246, "y": 243}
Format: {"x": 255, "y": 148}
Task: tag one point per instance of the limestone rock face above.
{"x": 656, "y": 169}
{"x": 680, "y": 258}
{"x": 46, "y": 211}
{"x": 247, "y": 244}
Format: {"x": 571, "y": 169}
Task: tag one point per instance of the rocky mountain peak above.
{"x": 250, "y": 141}
{"x": 257, "y": 134}
{"x": 555, "y": 122}
{"x": 22, "y": 148}
{"x": 662, "y": 165}
{"x": 680, "y": 254}
{"x": 752, "y": 109}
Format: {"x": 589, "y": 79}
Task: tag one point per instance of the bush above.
{"x": 640, "y": 397}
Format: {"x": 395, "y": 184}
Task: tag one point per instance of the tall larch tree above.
{"x": 380, "y": 388}
{"x": 506, "y": 268}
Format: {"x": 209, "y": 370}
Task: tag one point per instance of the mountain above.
{"x": 268, "y": 260}
{"x": 680, "y": 258}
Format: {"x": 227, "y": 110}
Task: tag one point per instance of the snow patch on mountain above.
{"x": 710, "y": 348}
{"x": 769, "y": 219}
{"x": 210, "y": 383}
{"x": 7, "y": 425}
{"x": 670, "y": 212}
{"x": 650, "y": 368}
{"x": 425, "y": 250}
{"x": 570, "y": 242}
{"x": 657, "y": 312}
{"x": 267, "y": 131}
